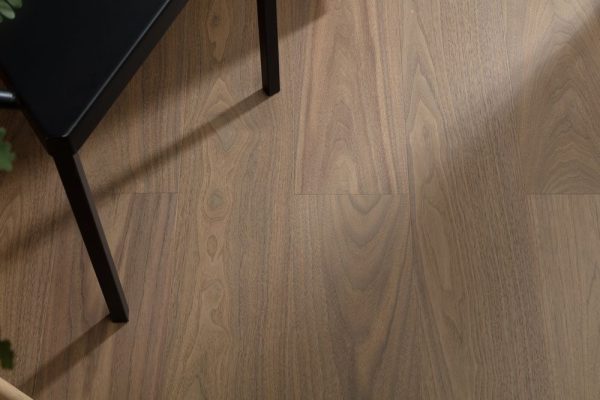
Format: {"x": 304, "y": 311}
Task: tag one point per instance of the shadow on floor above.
{"x": 188, "y": 143}
{"x": 293, "y": 16}
{"x": 70, "y": 356}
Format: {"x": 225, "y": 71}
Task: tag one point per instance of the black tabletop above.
{"x": 58, "y": 54}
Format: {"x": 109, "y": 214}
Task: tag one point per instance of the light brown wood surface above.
{"x": 415, "y": 216}
{"x": 566, "y": 233}
{"x": 9, "y": 392}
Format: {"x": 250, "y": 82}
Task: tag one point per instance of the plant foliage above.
{"x": 8, "y": 7}
{"x": 6, "y": 355}
{"x": 6, "y": 155}
{"x": 7, "y": 11}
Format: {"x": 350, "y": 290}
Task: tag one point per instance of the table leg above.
{"x": 79, "y": 195}
{"x": 269, "y": 45}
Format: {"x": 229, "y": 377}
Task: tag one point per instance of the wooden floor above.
{"x": 415, "y": 216}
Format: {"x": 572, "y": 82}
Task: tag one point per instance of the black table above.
{"x": 66, "y": 61}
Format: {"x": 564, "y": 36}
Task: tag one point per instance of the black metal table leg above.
{"x": 269, "y": 45}
{"x": 79, "y": 195}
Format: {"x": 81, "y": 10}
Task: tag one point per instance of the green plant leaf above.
{"x": 8, "y": 7}
{"x": 7, "y": 356}
{"x": 6, "y": 10}
{"x": 15, "y": 3}
{"x": 6, "y": 155}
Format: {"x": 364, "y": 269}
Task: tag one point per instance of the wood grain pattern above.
{"x": 66, "y": 321}
{"x": 24, "y": 251}
{"x": 147, "y": 116}
{"x": 480, "y": 308}
{"x": 354, "y": 303}
{"x": 566, "y": 231}
{"x": 350, "y": 138}
{"x": 366, "y": 234}
{"x": 558, "y": 113}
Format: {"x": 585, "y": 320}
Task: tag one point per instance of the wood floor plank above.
{"x": 144, "y": 124}
{"x": 224, "y": 240}
{"x": 81, "y": 353}
{"x": 364, "y": 234}
{"x": 566, "y": 232}
{"x": 351, "y": 138}
{"x": 558, "y": 57}
{"x": 136, "y": 147}
{"x": 479, "y": 305}
{"x": 353, "y": 300}
{"x": 30, "y": 202}
{"x": 232, "y": 236}
{"x": 77, "y": 352}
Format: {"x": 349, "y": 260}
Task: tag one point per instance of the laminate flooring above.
{"x": 414, "y": 216}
